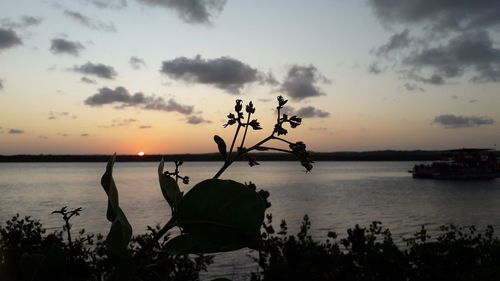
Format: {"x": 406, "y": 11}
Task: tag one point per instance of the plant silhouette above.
{"x": 215, "y": 215}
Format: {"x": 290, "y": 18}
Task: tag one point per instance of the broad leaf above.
{"x": 221, "y": 145}
{"x": 121, "y": 230}
{"x": 169, "y": 188}
{"x": 221, "y": 215}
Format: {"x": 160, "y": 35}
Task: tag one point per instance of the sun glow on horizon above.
{"x": 140, "y": 153}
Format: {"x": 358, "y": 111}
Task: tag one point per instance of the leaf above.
{"x": 169, "y": 188}
{"x": 220, "y": 215}
{"x": 221, "y": 145}
{"x": 121, "y": 231}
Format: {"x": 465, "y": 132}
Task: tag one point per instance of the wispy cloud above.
{"x": 306, "y": 112}
{"x": 123, "y": 98}
{"x": 311, "y": 112}
{"x": 53, "y": 115}
{"x": 195, "y": 120}
{"x": 108, "y": 4}
{"x": 62, "y": 46}
{"x": 145, "y": 127}
{"x": 99, "y": 70}
{"x": 413, "y": 87}
{"x": 192, "y": 11}
{"x": 87, "y": 80}
{"x": 16, "y": 131}
{"x": 451, "y": 121}
{"x": 90, "y": 23}
{"x": 24, "y": 22}
{"x": 136, "y": 63}
{"x": 119, "y": 122}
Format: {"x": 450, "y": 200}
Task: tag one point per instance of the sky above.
{"x": 160, "y": 76}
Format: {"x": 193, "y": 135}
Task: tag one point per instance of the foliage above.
{"x": 26, "y": 253}
{"x": 215, "y": 215}
{"x": 457, "y": 253}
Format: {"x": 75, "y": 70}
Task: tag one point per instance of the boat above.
{"x": 461, "y": 164}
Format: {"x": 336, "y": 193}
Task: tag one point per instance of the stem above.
{"x": 68, "y": 230}
{"x": 234, "y": 140}
{"x": 176, "y": 172}
{"x": 241, "y": 152}
{"x": 171, "y": 223}
{"x": 246, "y": 129}
{"x": 283, "y": 140}
{"x": 276, "y": 149}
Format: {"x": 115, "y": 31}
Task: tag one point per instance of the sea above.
{"x": 335, "y": 195}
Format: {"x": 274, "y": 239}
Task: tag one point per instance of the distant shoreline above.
{"x": 384, "y": 155}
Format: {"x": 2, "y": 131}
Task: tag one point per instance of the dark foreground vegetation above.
{"x": 28, "y": 252}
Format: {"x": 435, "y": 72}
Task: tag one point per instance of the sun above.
{"x": 140, "y": 153}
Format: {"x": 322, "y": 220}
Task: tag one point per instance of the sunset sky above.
{"x": 160, "y": 76}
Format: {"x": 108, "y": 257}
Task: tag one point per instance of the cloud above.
{"x": 451, "y": 121}
{"x": 413, "y": 87}
{"x": 90, "y": 23}
{"x": 305, "y": 112}
{"x": 453, "y": 39}
{"x": 62, "y": 46}
{"x": 396, "y": 41}
{"x": 145, "y": 127}
{"x": 375, "y": 68}
{"x": 120, "y": 123}
{"x": 225, "y": 73}
{"x": 1, "y": 84}
{"x": 85, "y": 135}
{"x": 195, "y": 120}
{"x": 157, "y": 103}
{"x": 318, "y": 129}
{"x": 439, "y": 15}
{"x": 87, "y": 80}
{"x": 136, "y": 63}
{"x": 26, "y": 21}
{"x": 311, "y": 112}
{"x": 16, "y": 131}
{"x": 57, "y": 115}
{"x": 121, "y": 96}
{"x": 100, "y": 70}
{"x": 9, "y": 38}
{"x": 192, "y": 11}
{"x": 473, "y": 100}
{"x": 469, "y": 51}
{"x": 108, "y": 4}
{"x": 300, "y": 82}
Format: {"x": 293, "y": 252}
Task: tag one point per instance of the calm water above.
{"x": 336, "y": 196}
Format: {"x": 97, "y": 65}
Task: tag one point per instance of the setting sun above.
{"x": 140, "y": 153}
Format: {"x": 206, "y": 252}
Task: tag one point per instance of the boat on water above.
{"x": 461, "y": 164}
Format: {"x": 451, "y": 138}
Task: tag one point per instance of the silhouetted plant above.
{"x": 215, "y": 215}
{"x": 457, "y": 253}
{"x": 298, "y": 148}
{"x": 26, "y": 253}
